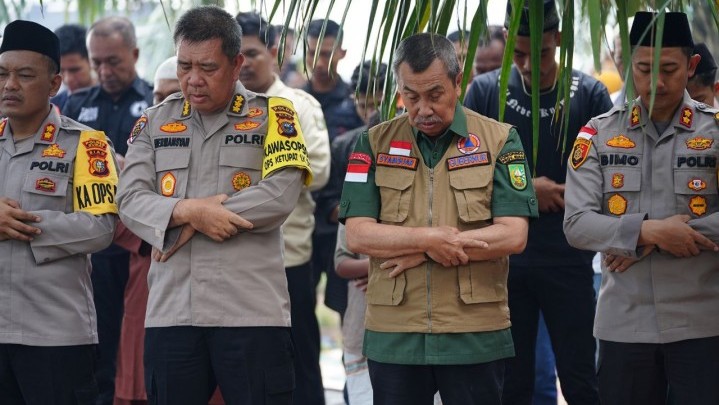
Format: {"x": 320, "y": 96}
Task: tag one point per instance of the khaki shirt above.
{"x": 624, "y": 172}
{"x": 297, "y": 229}
{"x": 177, "y": 153}
{"x": 45, "y": 289}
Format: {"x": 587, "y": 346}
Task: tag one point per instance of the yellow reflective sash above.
{"x": 95, "y": 178}
{"x": 284, "y": 143}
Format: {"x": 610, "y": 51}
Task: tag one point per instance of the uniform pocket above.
{"x": 240, "y": 167}
{"x": 171, "y": 166}
{"x": 43, "y": 191}
{"x": 696, "y": 192}
{"x": 481, "y": 282}
{"x": 471, "y": 192}
{"x": 621, "y": 187}
{"x": 383, "y": 289}
{"x": 279, "y": 384}
{"x": 395, "y": 187}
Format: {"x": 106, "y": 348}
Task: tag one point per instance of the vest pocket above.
{"x": 484, "y": 281}
{"x": 395, "y": 192}
{"x": 383, "y": 289}
{"x": 472, "y": 193}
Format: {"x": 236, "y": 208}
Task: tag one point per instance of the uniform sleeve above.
{"x": 584, "y": 224}
{"x": 341, "y": 251}
{"x": 360, "y": 194}
{"x": 512, "y": 191}
{"x": 145, "y": 212}
{"x": 268, "y": 203}
{"x": 317, "y": 141}
{"x": 708, "y": 226}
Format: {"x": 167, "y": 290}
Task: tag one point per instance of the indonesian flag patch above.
{"x": 357, "y": 173}
{"x": 401, "y": 148}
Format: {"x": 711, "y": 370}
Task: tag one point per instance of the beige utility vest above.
{"x": 457, "y": 192}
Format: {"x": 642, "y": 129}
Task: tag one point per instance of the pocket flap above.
{"x": 617, "y": 180}
{"x": 394, "y": 178}
{"x": 241, "y": 156}
{"x": 475, "y": 177}
{"x": 170, "y": 159}
{"x": 46, "y": 184}
{"x": 695, "y": 181}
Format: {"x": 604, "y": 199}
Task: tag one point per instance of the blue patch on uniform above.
{"x": 405, "y": 162}
{"x": 461, "y": 162}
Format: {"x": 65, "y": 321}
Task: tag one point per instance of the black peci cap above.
{"x": 23, "y": 35}
{"x": 551, "y": 18}
{"x": 676, "y": 30}
{"x": 707, "y": 63}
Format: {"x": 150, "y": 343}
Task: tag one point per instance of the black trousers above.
{"x": 642, "y": 373}
{"x": 38, "y": 375}
{"x": 109, "y": 278}
{"x": 566, "y": 298}
{"x": 305, "y": 336}
{"x": 184, "y": 365}
{"x": 471, "y": 384}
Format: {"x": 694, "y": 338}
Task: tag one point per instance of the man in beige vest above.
{"x": 438, "y": 198}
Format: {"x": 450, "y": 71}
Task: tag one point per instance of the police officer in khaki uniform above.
{"x": 57, "y": 205}
{"x": 642, "y": 190}
{"x": 211, "y": 174}
{"x": 438, "y": 198}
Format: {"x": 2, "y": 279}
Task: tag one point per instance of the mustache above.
{"x": 432, "y": 119}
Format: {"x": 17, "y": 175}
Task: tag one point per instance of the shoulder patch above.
{"x": 139, "y": 126}
{"x": 586, "y": 132}
{"x": 517, "y": 175}
{"x": 580, "y": 151}
{"x": 509, "y": 157}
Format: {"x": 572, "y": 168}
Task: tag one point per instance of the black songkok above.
{"x": 551, "y": 18}
{"x": 676, "y": 32}
{"x": 707, "y": 63}
{"x": 23, "y": 35}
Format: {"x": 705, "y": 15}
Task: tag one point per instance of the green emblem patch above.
{"x": 517, "y": 175}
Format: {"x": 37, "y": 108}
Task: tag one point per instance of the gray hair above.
{"x": 205, "y": 23}
{"x": 419, "y": 51}
{"x": 107, "y": 26}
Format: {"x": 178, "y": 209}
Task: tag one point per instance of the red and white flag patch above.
{"x": 586, "y": 133}
{"x": 357, "y": 173}
{"x": 401, "y": 148}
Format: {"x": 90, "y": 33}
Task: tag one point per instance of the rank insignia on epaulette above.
{"x": 167, "y": 184}
{"x": 617, "y": 204}
{"x": 580, "y": 151}
{"x": 686, "y": 117}
{"x": 254, "y": 112}
{"x": 468, "y": 145}
{"x": 241, "y": 181}
{"x": 237, "y": 102}
{"x": 45, "y": 184}
{"x": 3, "y": 122}
{"x": 48, "y": 134}
{"x": 173, "y": 127}
{"x": 617, "y": 180}
{"x": 699, "y": 143}
{"x": 517, "y": 175}
{"x": 53, "y": 150}
{"x": 716, "y": 118}
{"x": 697, "y": 184}
{"x": 621, "y": 141}
{"x": 186, "y": 109}
{"x": 246, "y": 125}
{"x": 698, "y": 205}
{"x": 139, "y": 126}
{"x": 635, "y": 116}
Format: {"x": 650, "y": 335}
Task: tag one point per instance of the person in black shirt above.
{"x": 74, "y": 62}
{"x": 112, "y": 106}
{"x": 549, "y": 275}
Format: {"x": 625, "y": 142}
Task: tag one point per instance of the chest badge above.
{"x": 697, "y": 184}
{"x": 173, "y": 127}
{"x": 241, "y": 181}
{"x": 621, "y": 141}
{"x": 580, "y": 151}
{"x": 167, "y": 184}
{"x": 246, "y": 125}
{"x": 698, "y": 205}
{"x": 699, "y": 143}
{"x": 45, "y": 184}
{"x": 53, "y": 150}
{"x": 687, "y": 117}
{"x": 48, "y": 134}
{"x": 517, "y": 175}
{"x": 617, "y": 204}
{"x": 468, "y": 145}
{"x": 254, "y": 112}
{"x": 617, "y": 180}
